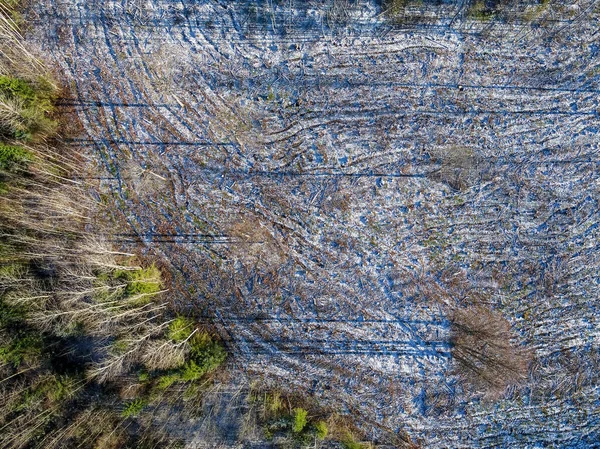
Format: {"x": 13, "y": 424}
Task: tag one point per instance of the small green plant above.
{"x": 480, "y": 11}
{"x": 349, "y": 442}
{"x": 144, "y": 281}
{"x": 23, "y": 348}
{"x": 273, "y": 402}
{"x": 198, "y": 367}
{"x": 206, "y": 353}
{"x": 119, "y": 347}
{"x": 136, "y": 285}
{"x": 16, "y": 87}
{"x": 25, "y": 108}
{"x": 55, "y": 389}
{"x": 191, "y": 371}
{"x": 11, "y": 316}
{"x": 14, "y": 158}
{"x": 166, "y": 380}
{"x": 300, "y": 420}
{"x": 395, "y": 8}
{"x": 321, "y": 430}
{"x": 133, "y": 408}
{"x": 52, "y": 390}
{"x": 277, "y": 426}
{"x": 180, "y": 329}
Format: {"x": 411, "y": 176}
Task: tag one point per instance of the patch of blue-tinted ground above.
{"x": 250, "y": 284}
{"x": 318, "y": 157}
{"x": 586, "y": 442}
{"x": 420, "y": 402}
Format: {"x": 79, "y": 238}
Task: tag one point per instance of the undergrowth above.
{"x": 26, "y": 108}
{"x": 14, "y": 158}
{"x": 403, "y": 11}
{"x": 296, "y": 421}
{"x": 86, "y": 334}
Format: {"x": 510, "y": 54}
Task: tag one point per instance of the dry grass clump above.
{"x": 459, "y": 167}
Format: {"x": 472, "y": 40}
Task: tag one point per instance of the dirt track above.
{"x": 309, "y": 177}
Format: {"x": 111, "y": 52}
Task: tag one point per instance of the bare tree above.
{"x": 485, "y": 349}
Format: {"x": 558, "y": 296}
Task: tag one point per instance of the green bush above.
{"x": 54, "y": 389}
{"x": 60, "y": 388}
{"x": 480, "y": 11}
{"x": 136, "y": 284}
{"x": 12, "y": 3}
{"x": 145, "y": 281}
{"x": 206, "y": 353}
{"x": 180, "y": 329}
{"x": 119, "y": 347}
{"x": 204, "y": 358}
{"x": 23, "y": 348}
{"x": 18, "y": 88}
{"x": 14, "y": 158}
{"x": 321, "y": 430}
{"x": 300, "y": 420}
{"x": 277, "y": 426}
{"x": 191, "y": 371}
{"x": 26, "y": 108}
{"x": 133, "y": 408}
{"x": 165, "y": 381}
{"x": 11, "y": 316}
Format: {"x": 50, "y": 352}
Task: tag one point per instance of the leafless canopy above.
{"x": 484, "y": 347}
